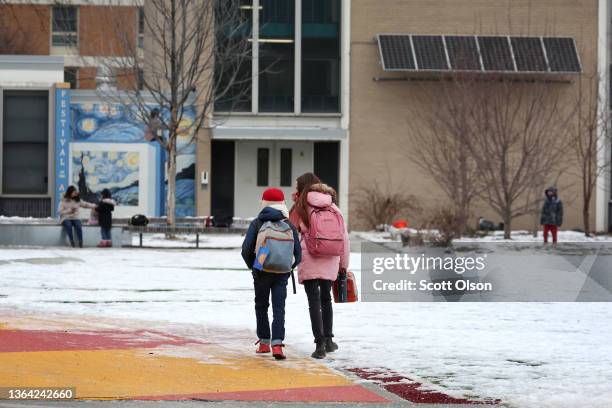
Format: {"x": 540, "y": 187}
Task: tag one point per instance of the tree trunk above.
{"x": 507, "y": 225}
{"x": 171, "y": 207}
{"x": 585, "y": 218}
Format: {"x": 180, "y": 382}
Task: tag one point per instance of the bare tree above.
{"x": 438, "y": 140}
{"x": 590, "y": 140}
{"x": 379, "y": 203}
{"x": 519, "y": 137}
{"x": 190, "y": 58}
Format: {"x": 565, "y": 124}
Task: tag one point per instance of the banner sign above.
{"x": 62, "y": 140}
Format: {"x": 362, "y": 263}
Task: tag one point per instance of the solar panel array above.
{"x": 529, "y": 54}
{"x": 429, "y": 51}
{"x": 479, "y": 53}
{"x": 463, "y": 53}
{"x": 396, "y": 52}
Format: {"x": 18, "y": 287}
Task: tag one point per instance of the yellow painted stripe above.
{"x": 129, "y": 373}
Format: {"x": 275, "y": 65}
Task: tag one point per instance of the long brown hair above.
{"x": 298, "y": 211}
{"x": 302, "y": 206}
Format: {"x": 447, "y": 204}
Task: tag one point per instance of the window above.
{"x": 286, "y": 156}
{"x": 140, "y": 79}
{"x": 276, "y": 56}
{"x": 276, "y": 88}
{"x": 64, "y": 26}
{"x": 263, "y": 163}
{"x": 25, "y": 143}
{"x": 71, "y": 77}
{"x": 321, "y": 56}
{"x": 233, "y": 71}
{"x": 141, "y": 26}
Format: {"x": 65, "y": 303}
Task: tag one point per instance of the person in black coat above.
{"x": 105, "y": 218}
{"x": 552, "y": 214}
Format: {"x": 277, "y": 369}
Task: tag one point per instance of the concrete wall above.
{"x": 203, "y": 164}
{"x": 53, "y": 235}
{"x": 382, "y": 111}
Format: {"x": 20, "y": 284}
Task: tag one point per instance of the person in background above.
{"x": 318, "y": 272}
{"x": 69, "y": 212}
{"x": 105, "y": 210}
{"x": 552, "y": 214}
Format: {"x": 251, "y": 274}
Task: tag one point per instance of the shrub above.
{"x": 375, "y": 205}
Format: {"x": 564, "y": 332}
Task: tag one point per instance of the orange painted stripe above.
{"x": 103, "y": 374}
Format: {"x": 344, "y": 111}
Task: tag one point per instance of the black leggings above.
{"x": 320, "y": 306}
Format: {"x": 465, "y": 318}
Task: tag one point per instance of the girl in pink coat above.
{"x": 317, "y": 273}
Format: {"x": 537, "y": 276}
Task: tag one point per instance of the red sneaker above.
{"x": 277, "y": 352}
{"x": 263, "y": 348}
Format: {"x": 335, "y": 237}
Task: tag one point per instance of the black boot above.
{"x": 80, "y": 244}
{"x": 319, "y": 351}
{"x": 330, "y": 346}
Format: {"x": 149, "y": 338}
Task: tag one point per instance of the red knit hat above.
{"x": 273, "y": 194}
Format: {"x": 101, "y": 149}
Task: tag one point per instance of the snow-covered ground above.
{"x": 528, "y": 355}
{"x": 495, "y": 236}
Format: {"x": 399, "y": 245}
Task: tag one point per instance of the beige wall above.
{"x": 203, "y": 157}
{"x": 382, "y": 111}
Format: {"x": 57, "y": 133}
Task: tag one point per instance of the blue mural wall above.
{"x": 117, "y": 170}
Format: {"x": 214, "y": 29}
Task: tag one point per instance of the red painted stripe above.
{"x": 350, "y": 393}
{"x": 43, "y": 340}
{"x": 411, "y": 390}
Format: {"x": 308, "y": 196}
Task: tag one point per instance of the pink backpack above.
{"x": 326, "y": 233}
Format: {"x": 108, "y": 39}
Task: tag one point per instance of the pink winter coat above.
{"x": 321, "y": 267}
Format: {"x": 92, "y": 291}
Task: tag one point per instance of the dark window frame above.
{"x": 141, "y": 27}
{"x": 286, "y": 167}
{"x": 64, "y": 26}
{"x": 74, "y": 83}
{"x": 8, "y": 142}
{"x": 263, "y": 167}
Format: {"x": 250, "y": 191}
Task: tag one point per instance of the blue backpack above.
{"x": 274, "y": 247}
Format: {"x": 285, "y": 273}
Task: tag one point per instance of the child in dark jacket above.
{"x": 552, "y": 214}
{"x": 273, "y": 209}
{"x": 105, "y": 210}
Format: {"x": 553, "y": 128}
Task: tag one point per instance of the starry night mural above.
{"x": 117, "y": 171}
{"x": 105, "y": 123}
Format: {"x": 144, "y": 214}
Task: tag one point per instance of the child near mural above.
{"x": 105, "y": 210}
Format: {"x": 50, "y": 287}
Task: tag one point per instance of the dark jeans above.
{"x": 69, "y": 225}
{"x": 266, "y": 283}
{"x": 320, "y": 306}
{"x": 106, "y": 233}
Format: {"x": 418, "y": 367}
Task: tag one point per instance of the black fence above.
{"x": 39, "y": 207}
